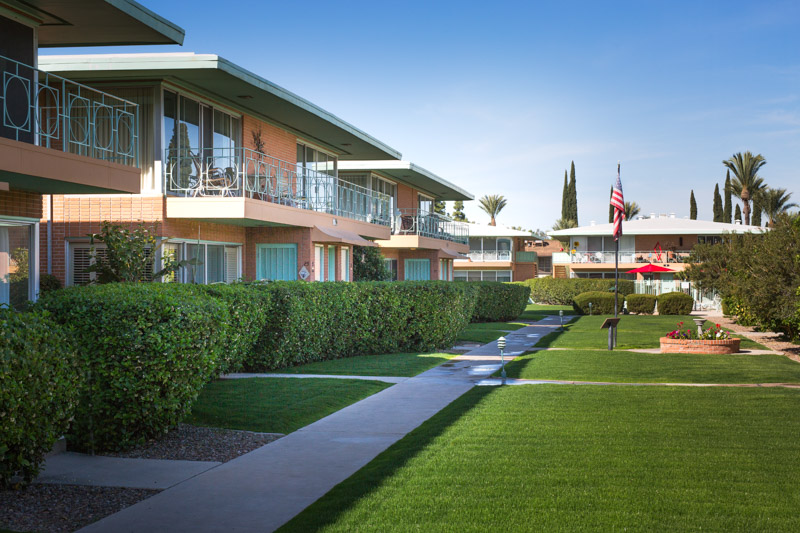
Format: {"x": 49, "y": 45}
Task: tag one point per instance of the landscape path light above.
{"x": 561, "y": 317}
{"x": 501, "y": 343}
{"x": 590, "y": 308}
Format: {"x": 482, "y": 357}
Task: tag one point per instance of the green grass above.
{"x": 582, "y": 458}
{"x": 539, "y": 311}
{"x": 275, "y": 405}
{"x": 632, "y": 367}
{"x": 485, "y": 332}
{"x": 635, "y": 331}
{"x": 392, "y": 364}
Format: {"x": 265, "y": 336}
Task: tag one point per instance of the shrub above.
{"x": 316, "y": 321}
{"x": 675, "y": 303}
{"x": 146, "y": 349}
{"x": 643, "y": 304}
{"x": 562, "y": 291}
{"x": 602, "y": 303}
{"x": 48, "y": 282}
{"x": 38, "y": 391}
{"x": 499, "y": 302}
{"x": 248, "y": 310}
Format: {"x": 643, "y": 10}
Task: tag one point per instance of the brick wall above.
{"x": 277, "y": 142}
{"x": 15, "y": 203}
{"x": 407, "y": 197}
{"x": 721, "y": 347}
{"x": 523, "y": 271}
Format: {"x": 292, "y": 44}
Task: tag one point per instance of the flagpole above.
{"x": 616, "y": 276}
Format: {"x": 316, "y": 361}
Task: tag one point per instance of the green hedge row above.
{"x": 39, "y": 383}
{"x": 642, "y": 304}
{"x": 671, "y": 303}
{"x": 562, "y": 291}
{"x": 499, "y": 302}
{"x": 145, "y": 351}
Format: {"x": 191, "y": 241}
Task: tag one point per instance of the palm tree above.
{"x": 746, "y": 182}
{"x": 631, "y": 210}
{"x": 775, "y": 202}
{"x": 492, "y": 204}
{"x": 564, "y": 223}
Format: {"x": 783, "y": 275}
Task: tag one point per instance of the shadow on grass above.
{"x": 337, "y": 501}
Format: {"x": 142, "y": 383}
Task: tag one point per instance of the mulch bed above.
{"x": 58, "y": 508}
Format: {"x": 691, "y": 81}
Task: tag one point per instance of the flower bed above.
{"x": 722, "y": 346}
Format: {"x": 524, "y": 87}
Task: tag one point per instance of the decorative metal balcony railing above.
{"x": 427, "y": 224}
{"x": 47, "y": 110}
{"x": 648, "y": 256}
{"x": 493, "y": 255}
{"x": 241, "y": 172}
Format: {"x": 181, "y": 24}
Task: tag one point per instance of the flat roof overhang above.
{"x": 94, "y": 22}
{"x": 47, "y": 171}
{"x": 411, "y": 174}
{"x": 231, "y": 85}
{"x": 408, "y": 242}
{"x": 249, "y": 212}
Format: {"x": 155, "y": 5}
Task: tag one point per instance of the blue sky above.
{"x": 499, "y": 97}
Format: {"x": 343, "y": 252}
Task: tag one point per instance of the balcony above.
{"x": 431, "y": 225}
{"x": 493, "y": 255}
{"x": 60, "y": 137}
{"x": 648, "y": 256}
{"x": 244, "y": 173}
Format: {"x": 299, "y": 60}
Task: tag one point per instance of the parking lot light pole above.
{"x": 501, "y": 343}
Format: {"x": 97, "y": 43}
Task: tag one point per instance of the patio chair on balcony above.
{"x": 221, "y": 182}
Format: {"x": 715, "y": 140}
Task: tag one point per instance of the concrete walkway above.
{"x": 263, "y": 489}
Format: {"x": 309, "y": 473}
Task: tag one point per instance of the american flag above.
{"x": 618, "y": 203}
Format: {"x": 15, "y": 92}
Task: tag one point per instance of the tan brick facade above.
{"x": 16, "y": 203}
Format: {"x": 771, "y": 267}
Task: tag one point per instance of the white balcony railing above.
{"x": 495, "y": 255}
{"x": 648, "y": 256}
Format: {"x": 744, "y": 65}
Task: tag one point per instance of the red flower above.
{"x": 718, "y": 326}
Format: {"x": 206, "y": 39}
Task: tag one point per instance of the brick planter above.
{"x": 724, "y": 346}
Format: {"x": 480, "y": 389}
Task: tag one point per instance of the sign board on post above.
{"x": 610, "y": 324}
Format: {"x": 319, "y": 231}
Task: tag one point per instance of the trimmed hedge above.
{"x": 248, "y": 310}
{"x": 602, "y": 303}
{"x": 675, "y": 303}
{"x": 562, "y": 291}
{"x": 643, "y": 304}
{"x": 146, "y": 349}
{"x": 38, "y": 392}
{"x": 498, "y": 301}
{"x": 316, "y": 321}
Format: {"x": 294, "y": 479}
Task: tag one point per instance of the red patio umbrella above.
{"x": 649, "y": 268}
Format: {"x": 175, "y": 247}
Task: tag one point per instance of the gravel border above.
{"x": 63, "y": 508}
{"x": 195, "y": 443}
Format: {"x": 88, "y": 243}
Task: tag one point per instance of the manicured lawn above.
{"x": 538, "y": 311}
{"x": 582, "y": 458}
{"x": 391, "y": 364}
{"x": 632, "y": 367}
{"x": 485, "y": 332}
{"x": 635, "y": 331}
{"x": 276, "y": 405}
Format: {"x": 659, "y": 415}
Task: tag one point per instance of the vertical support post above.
{"x": 616, "y": 288}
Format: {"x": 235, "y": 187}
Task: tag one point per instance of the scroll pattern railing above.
{"x": 242, "y": 172}
{"x": 427, "y": 224}
{"x": 47, "y": 110}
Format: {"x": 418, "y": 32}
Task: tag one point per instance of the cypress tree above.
{"x": 565, "y": 199}
{"x": 727, "y": 211}
{"x": 692, "y": 207}
{"x": 738, "y": 214}
{"x": 573, "y": 194}
{"x": 755, "y": 217}
{"x": 610, "y": 207}
{"x": 717, "y": 204}
{"x": 458, "y": 211}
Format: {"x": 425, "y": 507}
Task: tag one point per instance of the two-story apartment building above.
{"x": 658, "y": 239}
{"x": 497, "y": 253}
{"x": 238, "y": 174}
{"x": 58, "y": 136}
{"x": 423, "y": 244}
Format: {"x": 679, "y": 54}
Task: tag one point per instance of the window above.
{"x": 345, "y": 264}
{"x": 391, "y": 266}
{"x": 309, "y": 158}
{"x": 276, "y": 261}
{"x": 425, "y": 204}
{"x": 709, "y": 239}
{"x": 331, "y": 263}
{"x": 482, "y": 275}
{"x": 210, "y": 262}
{"x": 17, "y": 263}
{"x": 417, "y": 269}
